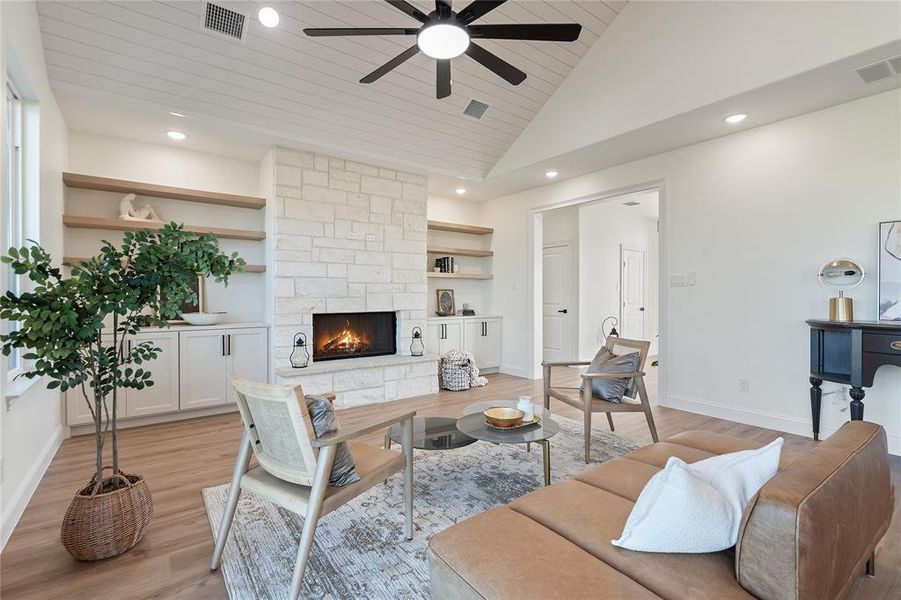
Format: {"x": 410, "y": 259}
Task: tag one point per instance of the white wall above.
{"x": 661, "y": 59}
{"x": 472, "y": 292}
{"x": 755, "y": 214}
{"x": 31, "y": 425}
{"x": 166, "y": 164}
{"x": 603, "y": 227}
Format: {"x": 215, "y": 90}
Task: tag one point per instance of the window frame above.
{"x": 14, "y": 203}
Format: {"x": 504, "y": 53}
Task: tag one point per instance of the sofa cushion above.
{"x": 657, "y": 454}
{"x": 621, "y": 476}
{"x": 720, "y": 443}
{"x": 504, "y": 554}
{"x": 590, "y": 517}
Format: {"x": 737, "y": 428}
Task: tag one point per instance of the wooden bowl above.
{"x": 503, "y": 417}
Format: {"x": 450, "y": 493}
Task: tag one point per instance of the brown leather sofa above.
{"x": 808, "y": 534}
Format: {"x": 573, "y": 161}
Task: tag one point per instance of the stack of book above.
{"x": 445, "y": 264}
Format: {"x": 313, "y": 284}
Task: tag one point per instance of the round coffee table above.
{"x": 431, "y": 433}
{"x": 473, "y": 425}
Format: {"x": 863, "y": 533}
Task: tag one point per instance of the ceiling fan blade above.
{"x": 545, "y": 32}
{"x": 494, "y": 63}
{"x": 327, "y": 31}
{"x": 478, "y": 9}
{"x": 404, "y": 6}
{"x": 443, "y": 7}
{"x": 391, "y": 64}
{"x": 443, "y": 71}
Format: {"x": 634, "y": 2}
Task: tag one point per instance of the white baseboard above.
{"x": 12, "y": 512}
{"x": 516, "y": 372}
{"x": 760, "y": 418}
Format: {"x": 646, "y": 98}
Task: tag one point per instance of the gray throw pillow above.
{"x": 322, "y": 415}
{"x": 611, "y": 389}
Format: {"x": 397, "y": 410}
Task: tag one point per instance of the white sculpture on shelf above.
{"x": 128, "y": 212}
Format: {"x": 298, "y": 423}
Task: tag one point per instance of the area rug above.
{"x": 359, "y": 549}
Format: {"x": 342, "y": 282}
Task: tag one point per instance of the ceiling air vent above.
{"x": 224, "y": 21}
{"x": 476, "y": 109}
{"x": 631, "y": 203}
{"x": 880, "y": 70}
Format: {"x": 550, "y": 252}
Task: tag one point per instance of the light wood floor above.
{"x": 178, "y": 460}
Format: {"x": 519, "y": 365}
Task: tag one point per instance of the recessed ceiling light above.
{"x": 733, "y": 119}
{"x": 176, "y": 114}
{"x": 443, "y": 40}
{"x": 176, "y": 135}
{"x": 460, "y": 191}
{"x": 551, "y": 174}
{"x": 268, "y": 16}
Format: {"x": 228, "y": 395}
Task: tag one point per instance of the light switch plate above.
{"x": 677, "y": 279}
{"x": 691, "y": 277}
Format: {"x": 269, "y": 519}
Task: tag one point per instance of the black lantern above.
{"x": 613, "y": 325}
{"x": 416, "y": 346}
{"x": 300, "y": 358}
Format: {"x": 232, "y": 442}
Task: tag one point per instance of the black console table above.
{"x": 849, "y": 353}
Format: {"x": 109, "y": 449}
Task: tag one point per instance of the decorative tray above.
{"x": 534, "y": 421}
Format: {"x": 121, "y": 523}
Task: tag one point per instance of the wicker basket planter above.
{"x": 98, "y": 526}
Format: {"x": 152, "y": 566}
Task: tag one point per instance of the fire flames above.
{"x": 347, "y": 341}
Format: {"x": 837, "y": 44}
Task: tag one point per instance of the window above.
{"x": 14, "y": 208}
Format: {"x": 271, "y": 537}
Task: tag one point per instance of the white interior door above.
{"x": 558, "y": 303}
{"x": 632, "y": 293}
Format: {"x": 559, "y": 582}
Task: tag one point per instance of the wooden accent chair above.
{"x": 589, "y": 403}
{"x": 294, "y": 466}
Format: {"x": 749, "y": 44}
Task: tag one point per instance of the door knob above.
{"x": 564, "y": 311}
{"x": 641, "y": 309}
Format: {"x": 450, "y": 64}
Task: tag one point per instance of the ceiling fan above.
{"x": 446, "y": 34}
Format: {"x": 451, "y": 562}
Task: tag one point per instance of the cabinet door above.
{"x": 491, "y": 345}
{"x": 247, "y": 351}
{"x": 453, "y": 336}
{"x": 433, "y": 334}
{"x": 162, "y": 396}
{"x": 472, "y": 340}
{"x": 77, "y": 412}
{"x": 203, "y": 369}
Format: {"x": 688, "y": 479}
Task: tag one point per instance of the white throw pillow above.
{"x": 694, "y": 508}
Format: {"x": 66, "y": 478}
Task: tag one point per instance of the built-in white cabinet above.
{"x": 191, "y": 371}
{"x": 242, "y": 351}
{"x": 479, "y": 335}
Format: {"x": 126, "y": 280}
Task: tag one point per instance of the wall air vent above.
{"x": 476, "y": 109}
{"x": 881, "y": 70}
{"x": 224, "y": 21}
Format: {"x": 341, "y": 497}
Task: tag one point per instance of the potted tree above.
{"x": 73, "y": 331}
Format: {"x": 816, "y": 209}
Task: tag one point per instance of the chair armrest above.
{"x": 612, "y": 375}
{"x": 346, "y": 433}
{"x": 330, "y": 396}
{"x": 564, "y": 363}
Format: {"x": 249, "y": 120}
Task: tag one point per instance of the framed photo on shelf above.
{"x": 445, "y": 306}
{"x": 889, "y": 277}
{"x": 190, "y": 307}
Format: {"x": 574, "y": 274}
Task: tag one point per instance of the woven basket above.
{"x": 455, "y": 375}
{"x": 98, "y": 526}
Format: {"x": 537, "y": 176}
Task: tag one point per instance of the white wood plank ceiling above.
{"x": 281, "y": 81}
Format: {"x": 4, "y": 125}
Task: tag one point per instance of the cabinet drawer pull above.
{"x": 896, "y": 345}
{"x": 229, "y": 336}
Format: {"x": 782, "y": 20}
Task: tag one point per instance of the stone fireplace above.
{"x": 349, "y": 238}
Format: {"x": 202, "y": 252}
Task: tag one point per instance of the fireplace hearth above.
{"x": 354, "y": 335}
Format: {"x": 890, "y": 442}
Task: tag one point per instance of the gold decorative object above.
{"x": 842, "y": 274}
{"x": 503, "y": 417}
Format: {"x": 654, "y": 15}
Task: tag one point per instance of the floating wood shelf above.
{"x": 75, "y": 260}
{"x": 122, "y": 225}
{"x": 458, "y": 228}
{"x": 432, "y": 274}
{"x": 105, "y": 184}
{"x": 460, "y": 251}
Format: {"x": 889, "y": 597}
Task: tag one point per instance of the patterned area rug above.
{"x": 359, "y": 550}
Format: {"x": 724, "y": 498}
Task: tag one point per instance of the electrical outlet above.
{"x": 744, "y": 385}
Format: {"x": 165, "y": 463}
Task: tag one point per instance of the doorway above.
{"x": 599, "y": 267}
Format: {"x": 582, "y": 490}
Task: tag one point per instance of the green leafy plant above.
{"x": 73, "y": 329}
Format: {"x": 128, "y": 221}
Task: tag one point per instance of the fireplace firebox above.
{"x": 354, "y": 335}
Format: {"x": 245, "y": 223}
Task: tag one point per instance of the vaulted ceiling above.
{"x": 281, "y": 82}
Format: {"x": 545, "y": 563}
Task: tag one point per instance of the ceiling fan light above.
{"x": 443, "y": 40}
